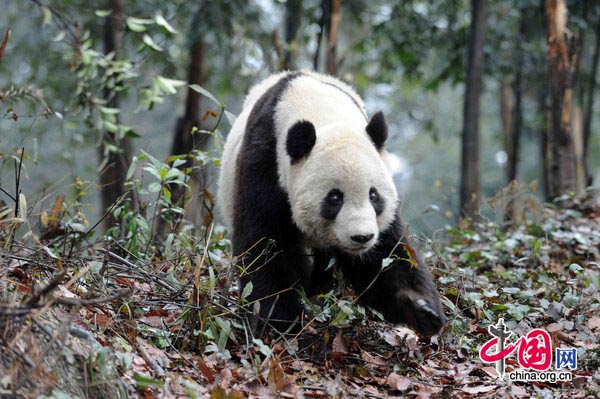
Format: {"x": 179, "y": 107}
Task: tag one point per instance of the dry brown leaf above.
{"x": 518, "y": 391}
{"x": 205, "y": 370}
{"x": 337, "y": 345}
{"x": 554, "y": 327}
{"x": 373, "y": 359}
{"x": 594, "y": 323}
{"x": 425, "y": 391}
{"x": 491, "y": 371}
{"x": 277, "y": 379}
{"x": 396, "y": 381}
{"x": 479, "y": 389}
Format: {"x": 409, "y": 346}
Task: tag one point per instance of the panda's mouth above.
{"x": 357, "y": 249}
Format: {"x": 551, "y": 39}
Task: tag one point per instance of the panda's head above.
{"x": 341, "y": 193}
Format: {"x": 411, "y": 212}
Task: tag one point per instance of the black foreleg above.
{"x": 403, "y": 291}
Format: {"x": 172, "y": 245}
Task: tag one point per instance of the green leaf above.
{"x": 230, "y": 117}
{"x": 154, "y": 187}
{"x": 575, "y": 268}
{"x": 161, "y": 21}
{"x": 102, "y": 13}
{"x": 59, "y": 36}
{"x": 22, "y": 207}
{"x": 247, "y": 290}
{"x": 137, "y": 24}
{"x": 150, "y": 43}
{"x": 132, "y": 168}
{"x": 167, "y": 193}
{"x": 224, "y": 334}
{"x": 109, "y": 111}
{"x": 111, "y": 127}
{"x": 169, "y": 85}
{"x": 264, "y": 349}
{"x": 145, "y": 381}
{"x": 205, "y": 93}
{"x": 46, "y": 15}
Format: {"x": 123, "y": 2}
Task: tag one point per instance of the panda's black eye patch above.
{"x": 377, "y": 202}
{"x": 332, "y": 204}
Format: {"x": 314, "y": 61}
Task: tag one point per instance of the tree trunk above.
{"x": 334, "y": 23}
{"x": 544, "y": 120}
{"x": 507, "y": 108}
{"x": 293, "y": 19}
{"x": 325, "y": 17}
{"x": 589, "y": 106}
{"x": 184, "y": 142}
{"x": 182, "y": 137}
{"x": 562, "y": 60}
{"x": 517, "y": 111}
{"x": 112, "y": 176}
{"x": 469, "y": 187}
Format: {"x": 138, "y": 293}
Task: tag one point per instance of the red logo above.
{"x": 535, "y": 349}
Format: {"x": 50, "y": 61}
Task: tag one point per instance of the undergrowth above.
{"x": 138, "y": 311}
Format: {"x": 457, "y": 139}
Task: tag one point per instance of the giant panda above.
{"x": 304, "y": 181}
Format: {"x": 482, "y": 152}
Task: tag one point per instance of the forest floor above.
{"x": 97, "y": 321}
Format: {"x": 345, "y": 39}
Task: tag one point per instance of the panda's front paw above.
{"x": 429, "y": 320}
{"x": 422, "y": 314}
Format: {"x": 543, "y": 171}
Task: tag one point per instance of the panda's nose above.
{"x": 362, "y": 239}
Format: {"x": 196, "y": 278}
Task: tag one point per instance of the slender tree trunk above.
{"x": 184, "y": 142}
{"x": 182, "y": 137}
{"x": 562, "y": 60}
{"x": 517, "y": 111}
{"x": 543, "y": 132}
{"x": 293, "y": 19}
{"x": 112, "y": 175}
{"x": 507, "y": 108}
{"x": 589, "y": 106}
{"x": 334, "y": 23}
{"x": 469, "y": 187}
{"x": 325, "y": 17}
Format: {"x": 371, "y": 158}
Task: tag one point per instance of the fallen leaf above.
{"x": 491, "y": 371}
{"x": 337, "y": 345}
{"x": 518, "y": 391}
{"x": 373, "y": 359}
{"x": 479, "y": 389}
{"x": 398, "y": 382}
{"x": 205, "y": 370}
{"x": 277, "y": 379}
{"x": 594, "y": 323}
{"x": 554, "y": 327}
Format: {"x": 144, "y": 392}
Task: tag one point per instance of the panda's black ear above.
{"x": 378, "y": 130}
{"x": 301, "y": 139}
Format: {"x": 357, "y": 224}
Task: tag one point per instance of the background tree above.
{"x": 406, "y": 58}
{"x": 114, "y": 150}
{"x": 591, "y": 92}
{"x": 469, "y": 187}
{"x": 293, "y": 20}
{"x": 563, "y": 56}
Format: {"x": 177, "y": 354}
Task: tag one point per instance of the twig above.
{"x": 4, "y": 43}
{"x": 133, "y": 266}
{"x": 93, "y": 301}
{"x": 37, "y": 294}
{"x": 158, "y": 370}
{"x": 18, "y": 182}
{"x": 108, "y": 211}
